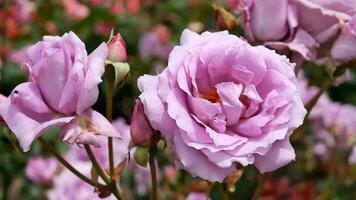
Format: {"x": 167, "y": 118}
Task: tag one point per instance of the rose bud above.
{"x": 170, "y": 172}
{"x": 142, "y": 133}
{"x": 117, "y": 49}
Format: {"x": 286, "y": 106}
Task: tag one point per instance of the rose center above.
{"x": 212, "y": 96}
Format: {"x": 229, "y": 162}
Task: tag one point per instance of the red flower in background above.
{"x": 281, "y": 188}
{"x": 133, "y": 6}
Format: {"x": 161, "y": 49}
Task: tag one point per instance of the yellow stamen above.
{"x": 213, "y": 96}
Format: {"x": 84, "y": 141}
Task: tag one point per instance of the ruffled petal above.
{"x": 25, "y": 105}
{"x": 87, "y": 128}
{"x": 279, "y": 155}
{"x": 198, "y": 164}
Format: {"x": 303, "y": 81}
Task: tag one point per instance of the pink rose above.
{"x": 197, "y": 196}
{"x": 24, "y": 10}
{"x": 344, "y": 47}
{"x": 117, "y": 49}
{"x": 308, "y": 27}
{"x": 170, "y": 172}
{"x": 321, "y": 150}
{"x": 344, "y": 124}
{"x": 18, "y": 56}
{"x": 224, "y": 102}
{"x": 133, "y": 6}
{"x": 121, "y": 147}
{"x": 2, "y": 97}
{"x": 41, "y": 170}
{"x": 74, "y": 10}
{"x": 86, "y": 127}
{"x": 153, "y": 44}
{"x": 352, "y": 157}
{"x": 63, "y": 85}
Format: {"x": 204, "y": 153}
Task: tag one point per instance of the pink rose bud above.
{"x": 170, "y": 172}
{"x": 133, "y": 6}
{"x": 142, "y": 133}
{"x": 197, "y": 196}
{"x": 117, "y": 49}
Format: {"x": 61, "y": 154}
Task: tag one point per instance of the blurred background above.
{"x": 150, "y": 29}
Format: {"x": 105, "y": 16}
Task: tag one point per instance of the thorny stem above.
{"x": 153, "y": 174}
{"x": 50, "y": 149}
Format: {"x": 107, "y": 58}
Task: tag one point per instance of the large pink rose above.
{"x": 197, "y": 196}
{"x": 63, "y": 85}
{"x": 307, "y": 27}
{"x": 224, "y": 102}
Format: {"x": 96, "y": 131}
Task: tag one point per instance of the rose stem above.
{"x": 111, "y": 184}
{"x": 50, "y": 149}
{"x": 310, "y": 105}
{"x": 222, "y": 191}
{"x": 259, "y": 187}
{"x": 152, "y": 164}
{"x": 109, "y": 97}
{"x": 315, "y": 99}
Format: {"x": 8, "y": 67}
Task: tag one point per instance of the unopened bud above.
{"x": 117, "y": 49}
{"x": 142, "y": 133}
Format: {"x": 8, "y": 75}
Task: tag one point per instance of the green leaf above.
{"x": 339, "y": 71}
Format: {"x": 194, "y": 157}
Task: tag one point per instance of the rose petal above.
{"x": 89, "y": 92}
{"x": 197, "y": 163}
{"x": 279, "y": 155}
